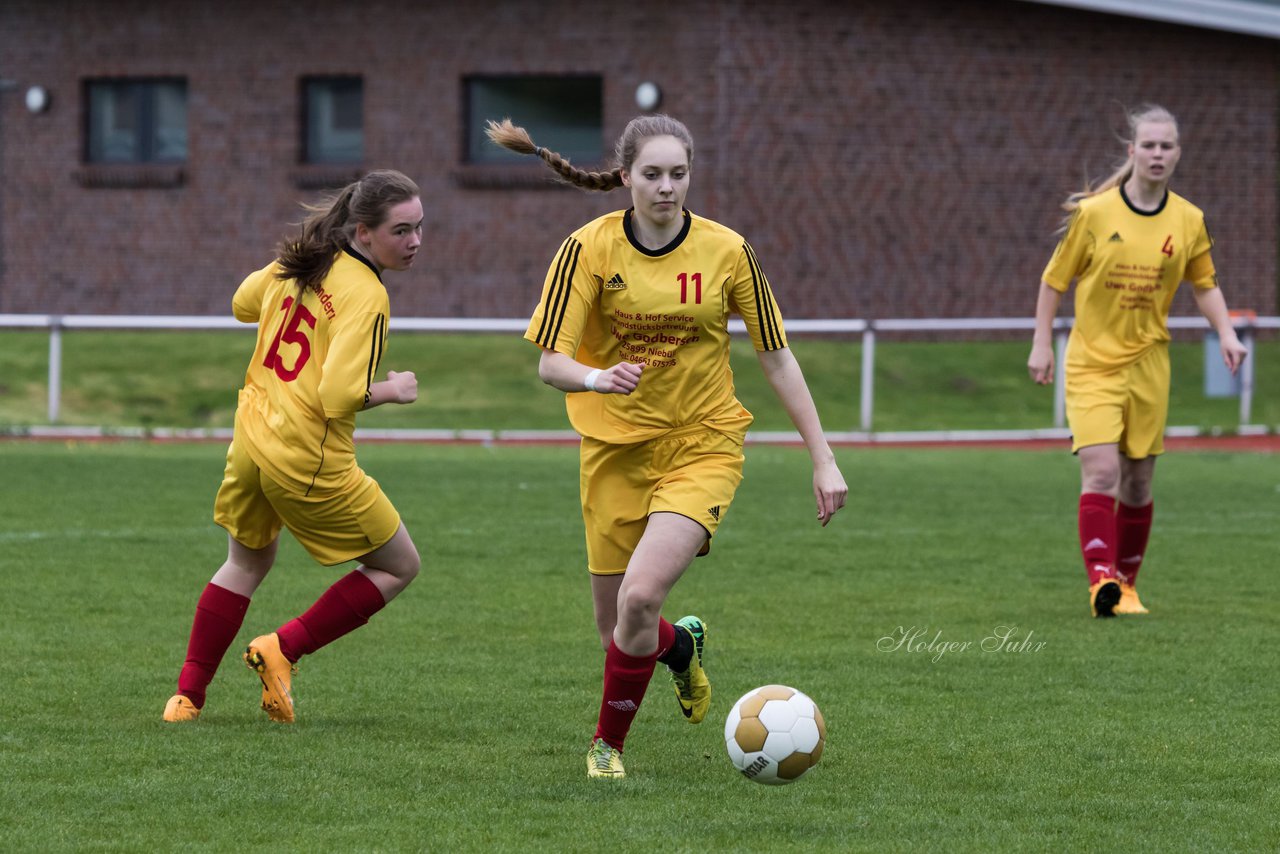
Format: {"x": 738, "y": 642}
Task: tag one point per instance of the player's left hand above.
{"x": 404, "y": 386}
{"x": 1233, "y": 353}
{"x": 829, "y": 489}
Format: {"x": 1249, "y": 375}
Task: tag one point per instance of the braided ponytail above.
{"x": 517, "y": 139}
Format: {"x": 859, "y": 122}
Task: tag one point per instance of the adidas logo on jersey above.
{"x": 615, "y": 284}
{"x": 715, "y": 512}
{"x": 1116, "y": 238}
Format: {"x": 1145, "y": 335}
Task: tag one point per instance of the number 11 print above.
{"x": 683, "y": 278}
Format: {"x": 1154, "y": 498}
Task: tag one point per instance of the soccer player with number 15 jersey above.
{"x": 322, "y": 314}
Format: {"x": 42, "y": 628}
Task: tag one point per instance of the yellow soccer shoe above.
{"x": 604, "y": 762}
{"x": 693, "y": 688}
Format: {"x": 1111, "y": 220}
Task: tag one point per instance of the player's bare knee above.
{"x": 1135, "y": 494}
{"x": 413, "y": 567}
{"x": 407, "y": 566}
{"x": 251, "y": 561}
{"x": 640, "y": 605}
{"x": 256, "y": 565}
{"x": 1102, "y": 479}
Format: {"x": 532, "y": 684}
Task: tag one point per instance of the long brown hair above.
{"x": 517, "y": 139}
{"x": 331, "y": 224}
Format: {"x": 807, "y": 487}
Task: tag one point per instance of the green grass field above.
{"x": 458, "y": 719}
{"x": 189, "y": 380}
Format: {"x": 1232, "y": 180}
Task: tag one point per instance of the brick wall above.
{"x": 885, "y": 160}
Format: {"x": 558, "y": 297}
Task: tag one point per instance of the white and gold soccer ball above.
{"x": 774, "y": 735}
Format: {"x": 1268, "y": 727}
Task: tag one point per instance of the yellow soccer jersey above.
{"x": 311, "y": 370}
{"x": 608, "y": 299}
{"x": 1127, "y": 265}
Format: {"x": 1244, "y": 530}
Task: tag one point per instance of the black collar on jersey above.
{"x": 644, "y": 250}
{"x": 1159, "y": 207}
{"x": 363, "y": 260}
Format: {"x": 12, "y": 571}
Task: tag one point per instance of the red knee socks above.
{"x": 219, "y": 615}
{"x": 666, "y": 637}
{"x": 1133, "y": 528}
{"x": 344, "y": 607}
{"x": 1098, "y": 535}
{"x": 625, "y": 679}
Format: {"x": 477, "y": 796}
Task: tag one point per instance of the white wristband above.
{"x": 590, "y": 379}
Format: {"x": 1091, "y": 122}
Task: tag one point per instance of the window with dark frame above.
{"x": 332, "y": 120}
{"x": 564, "y": 113}
{"x": 136, "y": 121}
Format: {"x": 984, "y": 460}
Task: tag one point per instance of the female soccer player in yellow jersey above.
{"x": 1128, "y": 244}
{"x": 633, "y": 325}
{"x": 322, "y": 315}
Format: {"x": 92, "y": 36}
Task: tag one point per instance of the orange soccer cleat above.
{"x": 1104, "y": 595}
{"x": 180, "y": 709}
{"x": 263, "y": 656}
{"x": 1129, "y": 601}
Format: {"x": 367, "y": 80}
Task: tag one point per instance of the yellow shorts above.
{"x": 1126, "y": 407}
{"x": 694, "y": 474}
{"x": 334, "y": 527}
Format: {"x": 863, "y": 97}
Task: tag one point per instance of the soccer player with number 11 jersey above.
{"x": 633, "y": 326}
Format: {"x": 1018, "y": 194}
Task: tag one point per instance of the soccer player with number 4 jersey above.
{"x": 322, "y": 314}
{"x": 1128, "y": 245}
{"x": 633, "y": 326}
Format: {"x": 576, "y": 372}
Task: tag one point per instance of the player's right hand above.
{"x": 1040, "y": 364}
{"x": 622, "y": 378}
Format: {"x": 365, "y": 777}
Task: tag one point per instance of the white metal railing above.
{"x": 867, "y": 329}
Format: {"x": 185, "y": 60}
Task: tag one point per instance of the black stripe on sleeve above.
{"x": 557, "y": 299}
{"x": 551, "y": 294}
{"x": 377, "y": 341}
{"x": 764, "y": 303}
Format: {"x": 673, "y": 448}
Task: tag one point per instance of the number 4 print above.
{"x": 1167, "y": 249}
{"x": 683, "y": 279}
{"x": 291, "y": 334}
